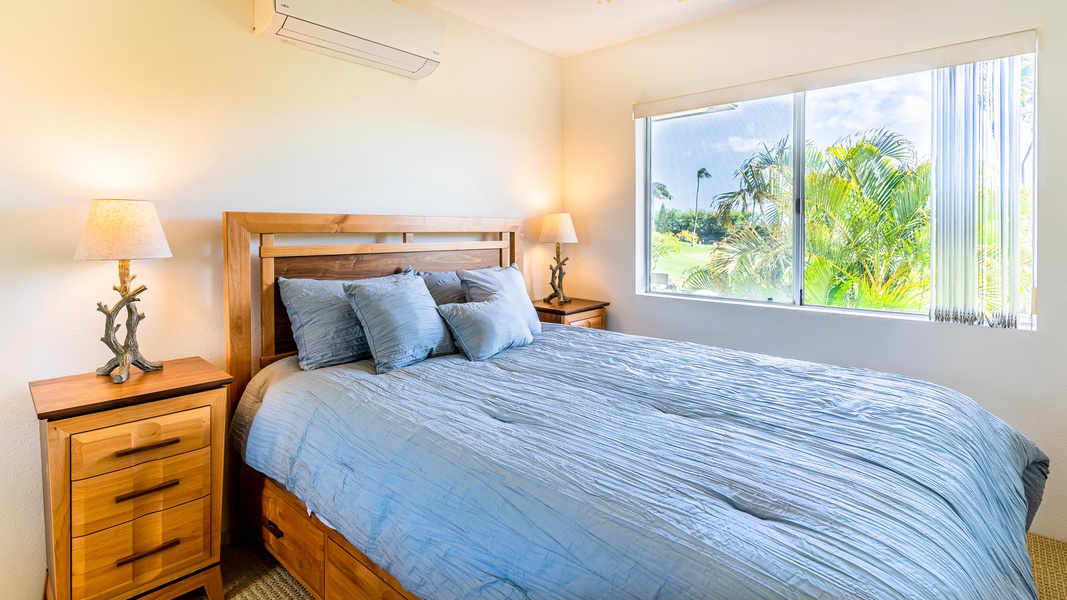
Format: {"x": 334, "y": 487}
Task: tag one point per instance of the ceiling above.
{"x": 569, "y": 27}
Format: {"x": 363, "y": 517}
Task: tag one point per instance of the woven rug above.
{"x": 1049, "y": 558}
{"x": 250, "y": 573}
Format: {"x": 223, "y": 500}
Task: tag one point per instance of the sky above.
{"x": 721, "y": 141}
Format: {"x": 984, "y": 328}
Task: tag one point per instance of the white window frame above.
{"x": 1022, "y": 42}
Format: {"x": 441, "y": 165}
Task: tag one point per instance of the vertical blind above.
{"x": 976, "y": 201}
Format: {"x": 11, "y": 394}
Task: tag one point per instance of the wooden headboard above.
{"x": 478, "y": 243}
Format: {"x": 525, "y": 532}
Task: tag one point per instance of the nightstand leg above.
{"x": 213, "y": 584}
{"x": 210, "y": 579}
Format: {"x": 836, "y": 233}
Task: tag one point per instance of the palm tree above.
{"x": 867, "y": 226}
{"x": 660, "y": 192}
{"x": 766, "y": 180}
{"x": 701, "y": 174}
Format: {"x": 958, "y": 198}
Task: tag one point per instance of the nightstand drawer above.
{"x": 113, "y": 448}
{"x": 128, "y": 555}
{"x": 107, "y": 500}
{"x": 591, "y": 318}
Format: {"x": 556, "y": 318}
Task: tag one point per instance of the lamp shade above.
{"x": 558, "y": 228}
{"x": 122, "y": 230}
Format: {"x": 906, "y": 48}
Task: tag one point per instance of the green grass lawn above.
{"x": 676, "y": 264}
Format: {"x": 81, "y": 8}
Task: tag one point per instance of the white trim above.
{"x": 1011, "y": 44}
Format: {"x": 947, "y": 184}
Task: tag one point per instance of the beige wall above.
{"x": 1018, "y": 376}
{"x": 179, "y": 103}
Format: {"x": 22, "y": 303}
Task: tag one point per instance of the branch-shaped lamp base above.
{"x": 556, "y": 280}
{"x": 128, "y": 353}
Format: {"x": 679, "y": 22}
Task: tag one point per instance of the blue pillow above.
{"x": 479, "y": 283}
{"x": 400, "y": 319}
{"x": 482, "y": 329}
{"x": 445, "y": 288}
{"x": 325, "y": 328}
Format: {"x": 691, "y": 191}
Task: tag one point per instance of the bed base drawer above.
{"x": 285, "y": 529}
{"x": 348, "y": 577}
{"x": 320, "y": 558}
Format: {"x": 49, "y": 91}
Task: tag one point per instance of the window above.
{"x": 913, "y": 194}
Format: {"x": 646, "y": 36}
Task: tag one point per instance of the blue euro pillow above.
{"x": 325, "y": 328}
{"x": 400, "y": 319}
{"x": 445, "y": 287}
{"x": 479, "y": 283}
{"x": 483, "y": 329}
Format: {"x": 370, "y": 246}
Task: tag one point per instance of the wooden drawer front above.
{"x": 349, "y": 579}
{"x": 290, "y": 535}
{"x": 113, "y": 448}
{"x": 107, "y": 500}
{"x": 181, "y": 532}
{"x": 593, "y": 319}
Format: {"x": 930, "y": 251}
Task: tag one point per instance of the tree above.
{"x": 664, "y": 244}
{"x": 867, "y": 226}
{"x": 660, "y": 192}
{"x": 766, "y": 183}
{"x": 701, "y": 174}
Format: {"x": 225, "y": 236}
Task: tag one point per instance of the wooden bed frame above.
{"x": 319, "y": 557}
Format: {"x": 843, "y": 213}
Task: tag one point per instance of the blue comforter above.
{"x": 594, "y": 465}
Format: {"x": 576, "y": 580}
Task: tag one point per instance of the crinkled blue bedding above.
{"x": 598, "y": 465}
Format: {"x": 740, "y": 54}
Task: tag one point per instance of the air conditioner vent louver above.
{"x": 377, "y": 33}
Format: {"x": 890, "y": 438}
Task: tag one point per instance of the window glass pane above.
{"x": 867, "y": 193}
{"x": 729, "y": 170}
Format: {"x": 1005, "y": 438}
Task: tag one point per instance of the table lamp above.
{"x": 123, "y": 230}
{"x": 558, "y": 228}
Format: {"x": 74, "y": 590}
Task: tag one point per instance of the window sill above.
{"x": 1027, "y": 326}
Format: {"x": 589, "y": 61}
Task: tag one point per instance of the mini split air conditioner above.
{"x": 378, "y": 33}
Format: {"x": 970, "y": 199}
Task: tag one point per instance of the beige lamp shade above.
{"x": 122, "y": 230}
{"x": 558, "y": 228}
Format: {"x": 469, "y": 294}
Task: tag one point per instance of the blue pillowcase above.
{"x": 479, "y": 283}
{"x": 482, "y": 329}
{"x": 445, "y": 288}
{"x": 326, "y": 330}
{"x": 400, "y": 319}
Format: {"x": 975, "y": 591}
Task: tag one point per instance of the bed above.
{"x": 654, "y": 469}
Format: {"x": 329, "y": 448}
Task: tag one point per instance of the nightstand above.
{"x": 133, "y": 481}
{"x": 578, "y": 312}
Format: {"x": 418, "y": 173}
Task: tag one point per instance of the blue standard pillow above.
{"x": 480, "y": 283}
{"x": 400, "y": 319}
{"x": 325, "y": 328}
{"x": 482, "y": 329}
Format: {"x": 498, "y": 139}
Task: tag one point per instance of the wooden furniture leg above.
{"x": 210, "y": 579}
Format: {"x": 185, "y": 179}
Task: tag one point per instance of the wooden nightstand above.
{"x": 578, "y": 312}
{"x": 133, "y": 481}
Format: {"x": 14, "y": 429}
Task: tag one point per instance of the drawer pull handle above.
{"x": 138, "y": 556}
{"x": 146, "y": 491}
{"x": 146, "y": 448}
{"x": 272, "y": 527}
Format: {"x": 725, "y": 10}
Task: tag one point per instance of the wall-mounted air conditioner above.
{"x": 378, "y": 33}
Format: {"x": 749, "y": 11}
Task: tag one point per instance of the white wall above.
{"x": 179, "y": 103}
{"x": 1018, "y": 376}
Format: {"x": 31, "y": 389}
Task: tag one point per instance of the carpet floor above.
{"x": 250, "y": 573}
